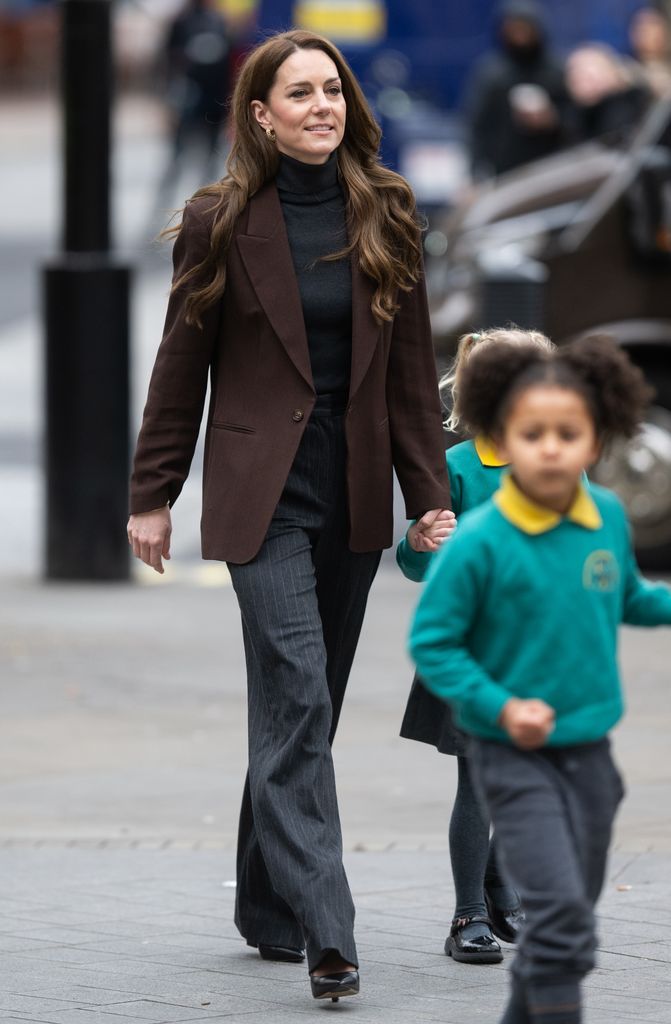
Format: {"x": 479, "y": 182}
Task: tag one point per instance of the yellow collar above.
{"x": 533, "y": 518}
{"x": 487, "y": 452}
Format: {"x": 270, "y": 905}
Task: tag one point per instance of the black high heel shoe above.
{"x": 281, "y": 954}
{"x": 334, "y": 986}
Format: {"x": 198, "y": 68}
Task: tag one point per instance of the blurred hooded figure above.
{"x": 197, "y": 57}
{"x": 516, "y": 102}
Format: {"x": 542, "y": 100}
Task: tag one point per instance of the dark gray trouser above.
{"x": 302, "y": 602}
{"x": 552, "y": 811}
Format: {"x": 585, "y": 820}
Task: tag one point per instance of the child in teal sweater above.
{"x": 485, "y": 905}
{"x": 517, "y": 628}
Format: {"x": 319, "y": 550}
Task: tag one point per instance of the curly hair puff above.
{"x": 595, "y": 367}
{"x": 614, "y": 388}
{"x": 488, "y": 378}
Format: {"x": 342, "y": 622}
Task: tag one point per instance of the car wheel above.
{"x": 639, "y": 471}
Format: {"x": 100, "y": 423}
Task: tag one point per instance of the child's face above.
{"x": 549, "y": 439}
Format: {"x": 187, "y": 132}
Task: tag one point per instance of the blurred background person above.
{"x": 198, "y": 61}
{"x": 650, "y": 38}
{"x": 517, "y": 99}
{"x": 608, "y": 97}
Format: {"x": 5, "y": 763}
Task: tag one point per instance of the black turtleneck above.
{"x": 314, "y": 213}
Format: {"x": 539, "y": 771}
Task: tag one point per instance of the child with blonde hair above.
{"x": 486, "y": 907}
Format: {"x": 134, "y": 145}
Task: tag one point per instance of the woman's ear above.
{"x": 260, "y": 112}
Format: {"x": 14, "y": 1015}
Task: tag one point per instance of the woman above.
{"x": 298, "y": 291}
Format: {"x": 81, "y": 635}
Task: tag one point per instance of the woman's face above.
{"x": 305, "y": 107}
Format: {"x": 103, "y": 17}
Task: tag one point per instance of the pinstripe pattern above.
{"x": 302, "y": 602}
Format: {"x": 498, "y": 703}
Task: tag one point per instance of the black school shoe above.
{"x": 507, "y": 923}
{"x": 481, "y": 948}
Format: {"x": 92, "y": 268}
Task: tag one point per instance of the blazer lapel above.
{"x": 365, "y": 329}
{"x": 265, "y": 252}
{"x": 266, "y": 255}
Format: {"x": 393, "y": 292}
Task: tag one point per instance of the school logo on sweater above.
{"x": 601, "y": 572}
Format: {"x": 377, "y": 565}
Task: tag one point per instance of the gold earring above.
{"x": 270, "y": 132}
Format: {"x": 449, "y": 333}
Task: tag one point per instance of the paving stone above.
{"x": 78, "y": 1015}
{"x": 15, "y": 1002}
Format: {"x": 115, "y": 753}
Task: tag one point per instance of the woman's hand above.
{"x": 429, "y": 532}
{"x": 527, "y": 722}
{"x": 149, "y": 536}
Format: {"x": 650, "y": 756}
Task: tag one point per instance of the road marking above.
{"x": 194, "y": 574}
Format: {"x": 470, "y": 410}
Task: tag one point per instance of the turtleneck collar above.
{"x": 313, "y": 181}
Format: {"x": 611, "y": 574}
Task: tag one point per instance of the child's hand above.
{"x": 429, "y": 532}
{"x": 527, "y": 722}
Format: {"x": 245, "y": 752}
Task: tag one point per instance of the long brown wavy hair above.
{"x": 384, "y": 231}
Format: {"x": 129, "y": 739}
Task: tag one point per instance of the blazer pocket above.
{"x": 237, "y": 428}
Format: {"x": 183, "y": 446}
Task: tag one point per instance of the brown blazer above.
{"x": 254, "y": 348}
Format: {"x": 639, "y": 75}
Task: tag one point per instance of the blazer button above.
{"x": 297, "y": 415}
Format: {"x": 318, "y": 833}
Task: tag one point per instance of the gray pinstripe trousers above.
{"x": 302, "y": 602}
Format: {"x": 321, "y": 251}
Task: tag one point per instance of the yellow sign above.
{"x": 347, "y": 21}
{"x": 237, "y": 8}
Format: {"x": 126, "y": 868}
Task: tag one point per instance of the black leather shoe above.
{"x": 333, "y": 986}
{"x": 506, "y": 924}
{"x": 283, "y": 954}
{"x": 479, "y": 949}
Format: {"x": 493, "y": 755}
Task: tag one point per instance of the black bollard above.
{"x": 87, "y": 326}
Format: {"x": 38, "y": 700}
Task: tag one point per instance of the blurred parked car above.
{"x": 579, "y": 243}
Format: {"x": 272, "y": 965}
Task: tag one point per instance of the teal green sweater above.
{"x": 471, "y": 483}
{"x": 520, "y": 605}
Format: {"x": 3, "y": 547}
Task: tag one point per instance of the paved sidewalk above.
{"x": 122, "y": 761}
{"x": 131, "y": 935}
